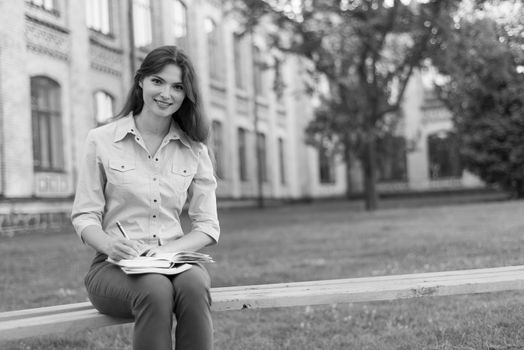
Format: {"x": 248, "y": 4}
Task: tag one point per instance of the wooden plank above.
{"x": 73, "y": 317}
{"x": 458, "y": 274}
{"x": 370, "y": 288}
{"x": 42, "y": 311}
{"x": 56, "y": 323}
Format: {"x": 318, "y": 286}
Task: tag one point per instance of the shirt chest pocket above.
{"x": 182, "y": 175}
{"x": 121, "y": 171}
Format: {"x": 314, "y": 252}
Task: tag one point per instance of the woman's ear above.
{"x": 140, "y": 83}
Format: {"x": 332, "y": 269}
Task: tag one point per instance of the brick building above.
{"x": 66, "y": 66}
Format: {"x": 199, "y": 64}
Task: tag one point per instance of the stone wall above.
{"x": 13, "y": 223}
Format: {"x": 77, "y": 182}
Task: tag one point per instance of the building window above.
{"x": 242, "y": 154}
{"x": 240, "y": 62}
{"x": 180, "y": 28}
{"x": 142, "y": 23}
{"x": 103, "y": 107}
{"x": 259, "y": 72}
{"x": 282, "y": 160}
{"x": 444, "y": 158}
{"x": 98, "y": 16}
{"x": 46, "y": 115}
{"x": 48, "y": 5}
{"x": 217, "y": 142}
{"x": 213, "y": 47}
{"x": 391, "y": 162}
{"x": 262, "y": 156}
{"x": 326, "y": 161}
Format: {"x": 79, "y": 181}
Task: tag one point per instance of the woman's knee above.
{"x": 154, "y": 290}
{"x": 193, "y": 283}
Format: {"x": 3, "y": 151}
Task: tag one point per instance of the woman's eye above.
{"x": 156, "y": 81}
{"x": 178, "y": 88}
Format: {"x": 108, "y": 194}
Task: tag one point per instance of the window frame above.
{"x": 326, "y": 166}
{"x": 258, "y": 74}
{"x": 108, "y": 97}
{"x": 262, "y": 156}
{"x": 181, "y": 41}
{"x": 142, "y": 12}
{"x": 216, "y": 71}
{"x": 99, "y": 16}
{"x": 282, "y": 160}
{"x": 242, "y": 140}
{"x": 51, "y": 6}
{"x": 217, "y": 141}
{"x": 239, "y": 58}
{"x": 46, "y": 124}
{"x": 448, "y": 146}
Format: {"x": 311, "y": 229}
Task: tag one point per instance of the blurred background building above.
{"x": 66, "y": 67}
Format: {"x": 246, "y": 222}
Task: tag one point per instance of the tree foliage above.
{"x": 483, "y": 62}
{"x": 366, "y": 49}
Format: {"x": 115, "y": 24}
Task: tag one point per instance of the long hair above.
{"x": 189, "y": 116}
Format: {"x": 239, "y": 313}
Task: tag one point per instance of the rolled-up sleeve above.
{"x": 88, "y": 206}
{"x": 202, "y": 198}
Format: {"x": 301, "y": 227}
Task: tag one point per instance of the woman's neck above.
{"x": 152, "y": 125}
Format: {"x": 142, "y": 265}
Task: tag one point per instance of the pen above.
{"x": 122, "y": 230}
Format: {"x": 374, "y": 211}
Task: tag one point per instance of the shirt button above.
{"x": 154, "y": 200}
{"x": 154, "y": 216}
{"x": 149, "y": 157}
{"x": 122, "y": 167}
{"x": 154, "y": 179}
{"x": 138, "y": 138}
{"x": 154, "y": 236}
{"x": 156, "y": 159}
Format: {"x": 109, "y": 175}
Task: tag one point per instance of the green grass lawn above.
{"x": 310, "y": 242}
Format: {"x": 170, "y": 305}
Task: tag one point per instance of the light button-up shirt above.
{"x": 120, "y": 181}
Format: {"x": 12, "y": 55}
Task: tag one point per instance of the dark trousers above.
{"x": 151, "y": 299}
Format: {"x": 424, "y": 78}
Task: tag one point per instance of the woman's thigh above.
{"x": 113, "y": 292}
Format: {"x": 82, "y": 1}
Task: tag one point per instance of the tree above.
{"x": 367, "y": 50}
{"x": 482, "y": 62}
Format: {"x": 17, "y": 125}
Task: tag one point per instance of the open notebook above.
{"x": 165, "y": 263}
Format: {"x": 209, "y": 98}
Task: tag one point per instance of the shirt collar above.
{"x": 126, "y": 125}
{"x": 175, "y": 133}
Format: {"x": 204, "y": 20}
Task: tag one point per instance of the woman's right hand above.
{"x": 121, "y": 248}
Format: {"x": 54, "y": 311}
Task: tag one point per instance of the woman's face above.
{"x": 163, "y": 92}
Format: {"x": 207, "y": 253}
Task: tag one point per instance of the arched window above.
{"x": 103, "y": 107}
{"x": 46, "y": 115}
{"x": 443, "y": 156}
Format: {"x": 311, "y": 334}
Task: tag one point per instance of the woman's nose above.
{"x": 165, "y": 91}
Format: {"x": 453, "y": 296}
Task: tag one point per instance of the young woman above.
{"x": 139, "y": 170}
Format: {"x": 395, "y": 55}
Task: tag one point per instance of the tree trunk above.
{"x": 369, "y": 162}
{"x": 347, "y": 161}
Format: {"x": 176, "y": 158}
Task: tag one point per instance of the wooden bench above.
{"x": 80, "y": 316}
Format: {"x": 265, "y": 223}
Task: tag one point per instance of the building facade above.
{"x": 66, "y": 67}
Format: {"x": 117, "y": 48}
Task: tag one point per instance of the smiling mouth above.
{"x": 163, "y": 103}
